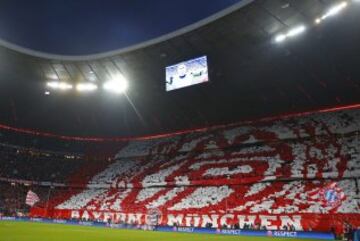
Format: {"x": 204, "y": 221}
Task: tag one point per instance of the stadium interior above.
{"x": 271, "y": 141}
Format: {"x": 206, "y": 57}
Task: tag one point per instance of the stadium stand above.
{"x": 18, "y": 163}
{"x": 299, "y": 172}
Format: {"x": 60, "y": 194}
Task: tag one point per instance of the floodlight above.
{"x": 291, "y": 33}
{"x": 296, "y": 31}
{"x": 280, "y": 38}
{"x": 332, "y": 11}
{"x": 118, "y": 84}
{"x": 59, "y": 85}
{"x": 84, "y": 87}
{"x": 336, "y": 9}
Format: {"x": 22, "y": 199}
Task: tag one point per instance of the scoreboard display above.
{"x": 187, "y": 73}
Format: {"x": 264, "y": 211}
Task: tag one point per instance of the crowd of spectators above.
{"x": 273, "y": 167}
{"x": 33, "y": 165}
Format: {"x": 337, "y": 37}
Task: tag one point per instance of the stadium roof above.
{"x": 94, "y": 26}
{"x": 250, "y": 74}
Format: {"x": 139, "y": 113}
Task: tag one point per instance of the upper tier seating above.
{"x": 33, "y": 165}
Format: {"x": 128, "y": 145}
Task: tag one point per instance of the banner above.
{"x": 258, "y": 233}
{"x": 301, "y": 221}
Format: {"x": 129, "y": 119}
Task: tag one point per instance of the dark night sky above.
{"x": 92, "y": 26}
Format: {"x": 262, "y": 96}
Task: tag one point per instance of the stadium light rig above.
{"x": 59, "y": 85}
{"x": 332, "y": 11}
{"x": 118, "y": 84}
{"x": 291, "y": 33}
{"x": 86, "y": 87}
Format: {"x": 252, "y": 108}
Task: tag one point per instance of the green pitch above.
{"x": 21, "y": 231}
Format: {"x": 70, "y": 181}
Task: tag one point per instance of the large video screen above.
{"x": 187, "y": 73}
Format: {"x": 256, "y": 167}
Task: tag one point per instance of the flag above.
{"x": 31, "y": 198}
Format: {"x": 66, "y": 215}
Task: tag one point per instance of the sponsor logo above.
{"x": 36, "y": 219}
{"x": 86, "y": 223}
{"x": 116, "y": 225}
{"x": 185, "y": 229}
{"x": 231, "y": 231}
{"x": 59, "y": 221}
{"x": 284, "y": 234}
{"x": 8, "y": 218}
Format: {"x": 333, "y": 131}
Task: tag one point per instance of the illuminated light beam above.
{"x": 86, "y": 87}
{"x": 291, "y": 33}
{"x": 136, "y": 110}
